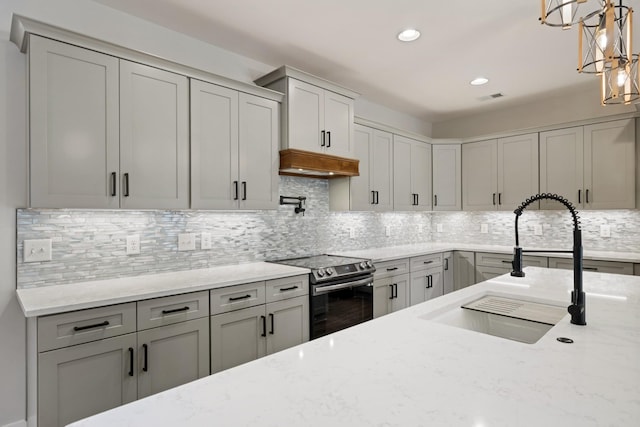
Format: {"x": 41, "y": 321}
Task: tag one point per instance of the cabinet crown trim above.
{"x": 22, "y": 27}
{"x": 288, "y": 71}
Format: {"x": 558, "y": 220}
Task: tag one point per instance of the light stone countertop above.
{"x": 76, "y": 296}
{"x": 405, "y": 370}
{"x": 404, "y": 251}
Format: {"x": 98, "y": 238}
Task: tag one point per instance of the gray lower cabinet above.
{"x": 93, "y": 360}
{"x": 255, "y": 319}
{"x": 490, "y": 265}
{"x": 426, "y": 278}
{"x": 464, "y": 269}
{"x": 390, "y": 286}
{"x": 636, "y": 269}
{"x": 82, "y": 380}
{"x": 447, "y": 272}
{"x": 594, "y": 265}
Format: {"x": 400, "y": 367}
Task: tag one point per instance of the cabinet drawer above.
{"x": 176, "y": 308}
{"x": 391, "y": 268}
{"x": 287, "y": 287}
{"x": 77, "y": 327}
{"x": 236, "y": 297}
{"x": 594, "y": 265}
{"x": 426, "y": 261}
{"x": 504, "y": 260}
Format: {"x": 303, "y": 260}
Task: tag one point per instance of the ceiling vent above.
{"x": 490, "y": 97}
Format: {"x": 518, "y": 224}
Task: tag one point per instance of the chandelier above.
{"x": 604, "y": 43}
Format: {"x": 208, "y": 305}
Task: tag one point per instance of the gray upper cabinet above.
{"x": 499, "y": 174}
{"x": 234, "y": 149}
{"x": 447, "y": 177}
{"x": 411, "y": 174}
{"x": 104, "y": 132}
{"x": 593, "y": 166}
{"x": 318, "y": 115}
{"x": 74, "y": 126}
{"x": 154, "y": 138}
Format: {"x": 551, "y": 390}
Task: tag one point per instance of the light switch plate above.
{"x": 186, "y": 242}
{"x": 133, "y": 244}
{"x": 352, "y": 233}
{"x": 37, "y": 250}
{"x": 387, "y": 231}
{"x": 605, "y": 230}
{"x": 439, "y": 228}
{"x": 205, "y": 241}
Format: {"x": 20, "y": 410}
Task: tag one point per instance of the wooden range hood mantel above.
{"x": 316, "y": 165}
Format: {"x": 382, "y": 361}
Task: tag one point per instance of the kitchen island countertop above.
{"x": 405, "y": 370}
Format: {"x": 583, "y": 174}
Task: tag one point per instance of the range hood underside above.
{"x": 316, "y": 165}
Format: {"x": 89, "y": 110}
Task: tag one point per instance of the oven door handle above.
{"x": 328, "y": 288}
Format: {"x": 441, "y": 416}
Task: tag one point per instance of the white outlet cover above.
{"x": 537, "y": 230}
{"x": 205, "y": 241}
{"x": 484, "y": 228}
{"x": 37, "y": 250}
{"x": 186, "y": 242}
{"x": 133, "y": 244}
{"x": 439, "y": 228}
{"x": 352, "y": 233}
{"x": 605, "y": 230}
{"x": 387, "y": 231}
{"x": 420, "y": 228}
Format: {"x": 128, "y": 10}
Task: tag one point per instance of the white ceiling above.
{"x": 353, "y": 43}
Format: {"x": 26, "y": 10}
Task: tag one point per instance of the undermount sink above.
{"x": 504, "y": 317}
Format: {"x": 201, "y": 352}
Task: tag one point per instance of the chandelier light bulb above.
{"x": 622, "y": 76}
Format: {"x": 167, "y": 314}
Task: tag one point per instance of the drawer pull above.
{"x": 590, "y": 268}
{"x": 392, "y": 269}
{"x": 239, "y": 298}
{"x": 505, "y": 261}
{"x": 96, "y": 325}
{"x": 175, "y": 310}
{"x": 428, "y": 262}
{"x": 290, "y": 288}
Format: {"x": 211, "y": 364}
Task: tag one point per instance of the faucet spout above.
{"x": 577, "y": 309}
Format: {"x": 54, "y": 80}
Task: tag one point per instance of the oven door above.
{"x": 339, "y": 305}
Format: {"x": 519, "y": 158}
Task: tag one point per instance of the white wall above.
{"x": 575, "y": 105}
{"x": 381, "y": 114}
{"x": 98, "y": 21}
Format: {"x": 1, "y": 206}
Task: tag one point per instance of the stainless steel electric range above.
{"x": 341, "y": 291}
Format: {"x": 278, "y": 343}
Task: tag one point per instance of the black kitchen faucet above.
{"x": 577, "y": 308}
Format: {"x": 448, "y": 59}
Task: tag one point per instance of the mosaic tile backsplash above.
{"x": 90, "y": 244}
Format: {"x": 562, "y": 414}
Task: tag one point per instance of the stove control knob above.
{"x": 329, "y": 271}
{"x": 363, "y": 265}
{"x": 320, "y": 272}
{"x": 369, "y": 264}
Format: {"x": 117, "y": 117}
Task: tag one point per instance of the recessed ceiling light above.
{"x": 479, "y": 81}
{"x": 409, "y": 35}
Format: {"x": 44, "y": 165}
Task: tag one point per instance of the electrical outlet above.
{"x": 484, "y": 228}
{"x": 605, "y": 230}
{"x": 352, "y": 233}
{"x": 387, "y": 231}
{"x": 537, "y": 230}
{"x": 205, "y": 241}
{"x": 133, "y": 244}
{"x": 420, "y": 228}
{"x": 439, "y": 228}
{"x": 37, "y": 250}
{"x": 186, "y": 242}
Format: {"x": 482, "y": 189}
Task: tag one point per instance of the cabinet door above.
{"x": 172, "y": 355}
{"x": 447, "y": 177}
{"x": 382, "y": 170}
{"x": 306, "y": 116}
{"x": 403, "y": 196}
{"x": 82, "y": 380}
{"x": 425, "y": 285}
{"x": 360, "y": 191}
{"x": 402, "y": 293}
{"x": 383, "y": 295}
{"x": 154, "y": 138}
{"x": 447, "y": 273}
{"x": 421, "y": 175}
{"x": 561, "y": 165}
{"x": 237, "y": 337}
{"x": 611, "y": 267}
{"x": 214, "y": 147}
{"x": 287, "y": 323}
{"x": 464, "y": 269}
{"x": 610, "y": 165}
{"x": 338, "y": 123}
{"x": 258, "y": 148}
{"x": 74, "y": 128}
{"x": 479, "y": 176}
{"x": 517, "y": 170}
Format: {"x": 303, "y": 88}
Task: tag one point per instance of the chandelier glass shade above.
{"x": 620, "y": 83}
{"x": 604, "y": 37}
{"x": 565, "y": 13}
